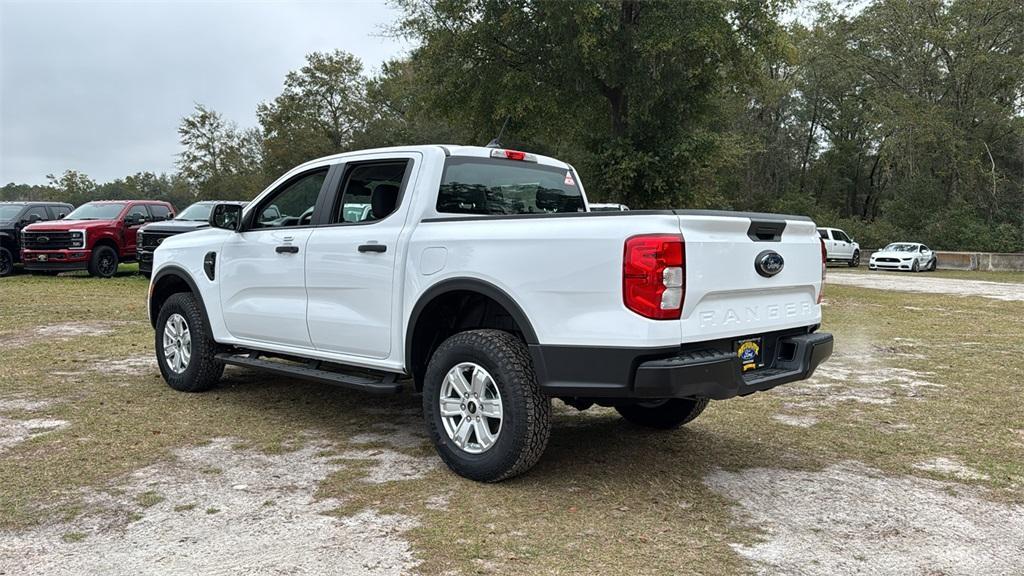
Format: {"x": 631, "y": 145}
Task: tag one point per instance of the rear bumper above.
{"x": 711, "y": 370}
{"x": 71, "y": 259}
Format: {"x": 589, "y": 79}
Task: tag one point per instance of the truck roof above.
{"x": 33, "y": 203}
{"x": 448, "y": 149}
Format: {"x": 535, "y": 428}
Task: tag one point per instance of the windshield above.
{"x": 485, "y": 186}
{"x": 105, "y": 211}
{"x": 10, "y": 212}
{"x": 901, "y": 248}
{"x": 196, "y": 212}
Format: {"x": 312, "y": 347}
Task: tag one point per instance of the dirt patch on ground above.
{"x": 392, "y": 466}
{"x": 14, "y": 432}
{"x": 23, "y": 404}
{"x": 921, "y": 283}
{"x": 216, "y": 510}
{"x": 851, "y": 519}
{"x": 863, "y": 377}
{"x": 794, "y": 420}
{"x": 62, "y": 331}
{"x": 950, "y": 467}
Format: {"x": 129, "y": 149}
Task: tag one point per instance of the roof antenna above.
{"x": 496, "y": 143}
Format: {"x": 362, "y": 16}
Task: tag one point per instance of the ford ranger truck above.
{"x": 480, "y": 275}
{"x": 96, "y": 236}
{"x": 195, "y": 217}
{"x": 14, "y": 216}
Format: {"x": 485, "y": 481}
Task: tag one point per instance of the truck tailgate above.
{"x": 726, "y": 296}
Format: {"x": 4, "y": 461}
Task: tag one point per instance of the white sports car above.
{"x": 903, "y": 256}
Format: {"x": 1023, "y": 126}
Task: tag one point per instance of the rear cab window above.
{"x": 489, "y": 186}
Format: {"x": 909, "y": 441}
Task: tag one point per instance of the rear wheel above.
{"x": 484, "y": 410}
{"x": 855, "y": 261}
{"x": 103, "y": 263}
{"x": 185, "y": 349}
{"x": 664, "y": 414}
{"x": 6, "y": 262}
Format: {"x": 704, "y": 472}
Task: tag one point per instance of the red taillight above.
{"x": 824, "y": 260}
{"x": 654, "y": 275}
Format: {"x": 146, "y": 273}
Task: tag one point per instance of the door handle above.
{"x": 287, "y": 249}
{"x": 373, "y": 248}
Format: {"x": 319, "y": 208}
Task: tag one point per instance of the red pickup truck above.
{"x": 96, "y": 236}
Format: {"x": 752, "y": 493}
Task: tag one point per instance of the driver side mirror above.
{"x": 33, "y": 218}
{"x": 133, "y": 219}
{"x": 226, "y": 216}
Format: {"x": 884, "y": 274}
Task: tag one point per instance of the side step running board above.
{"x": 311, "y": 371}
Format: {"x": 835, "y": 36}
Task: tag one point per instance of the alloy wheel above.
{"x": 471, "y": 408}
{"x": 177, "y": 343}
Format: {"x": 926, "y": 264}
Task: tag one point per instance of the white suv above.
{"x": 839, "y": 247}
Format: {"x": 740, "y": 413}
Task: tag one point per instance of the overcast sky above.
{"x": 101, "y": 86}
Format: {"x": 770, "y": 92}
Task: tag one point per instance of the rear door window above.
{"x": 823, "y": 234}
{"x": 370, "y": 191}
{"x": 496, "y": 186}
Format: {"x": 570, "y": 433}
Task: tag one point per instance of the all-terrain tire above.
{"x": 526, "y": 412}
{"x": 855, "y": 261}
{"x": 203, "y": 370}
{"x": 103, "y": 263}
{"x": 666, "y": 415}
{"x": 6, "y": 262}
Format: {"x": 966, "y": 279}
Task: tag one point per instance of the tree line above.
{"x": 901, "y": 120}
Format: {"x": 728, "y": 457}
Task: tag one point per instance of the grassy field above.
{"x": 921, "y": 401}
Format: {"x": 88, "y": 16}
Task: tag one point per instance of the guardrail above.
{"x": 985, "y": 261}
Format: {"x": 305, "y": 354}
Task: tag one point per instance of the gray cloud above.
{"x": 101, "y": 87}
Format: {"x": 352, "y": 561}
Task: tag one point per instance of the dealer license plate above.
{"x": 750, "y": 352}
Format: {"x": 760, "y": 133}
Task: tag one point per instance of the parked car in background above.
{"x": 14, "y": 216}
{"x": 839, "y": 247}
{"x": 596, "y": 207}
{"x": 481, "y": 275}
{"x": 96, "y": 236}
{"x": 195, "y": 217}
{"x": 911, "y": 256}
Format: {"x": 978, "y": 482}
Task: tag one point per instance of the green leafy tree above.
{"x": 631, "y": 89}
{"x": 322, "y": 108}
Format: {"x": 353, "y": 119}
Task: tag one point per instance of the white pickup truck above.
{"x": 480, "y": 273}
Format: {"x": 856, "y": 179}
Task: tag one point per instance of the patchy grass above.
{"x": 607, "y": 498}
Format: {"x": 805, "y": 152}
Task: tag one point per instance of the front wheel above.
{"x": 6, "y": 262}
{"x": 103, "y": 263}
{"x": 185, "y": 349}
{"x": 663, "y": 414}
{"x": 931, "y": 265}
{"x": 855, "y": 261}
{"x": 916, "y": 266}
{"x": 484, "y": 410}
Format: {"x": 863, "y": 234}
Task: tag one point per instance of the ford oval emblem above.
{"x": 769, "y": 263}
{"x": 44, "y": 239}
